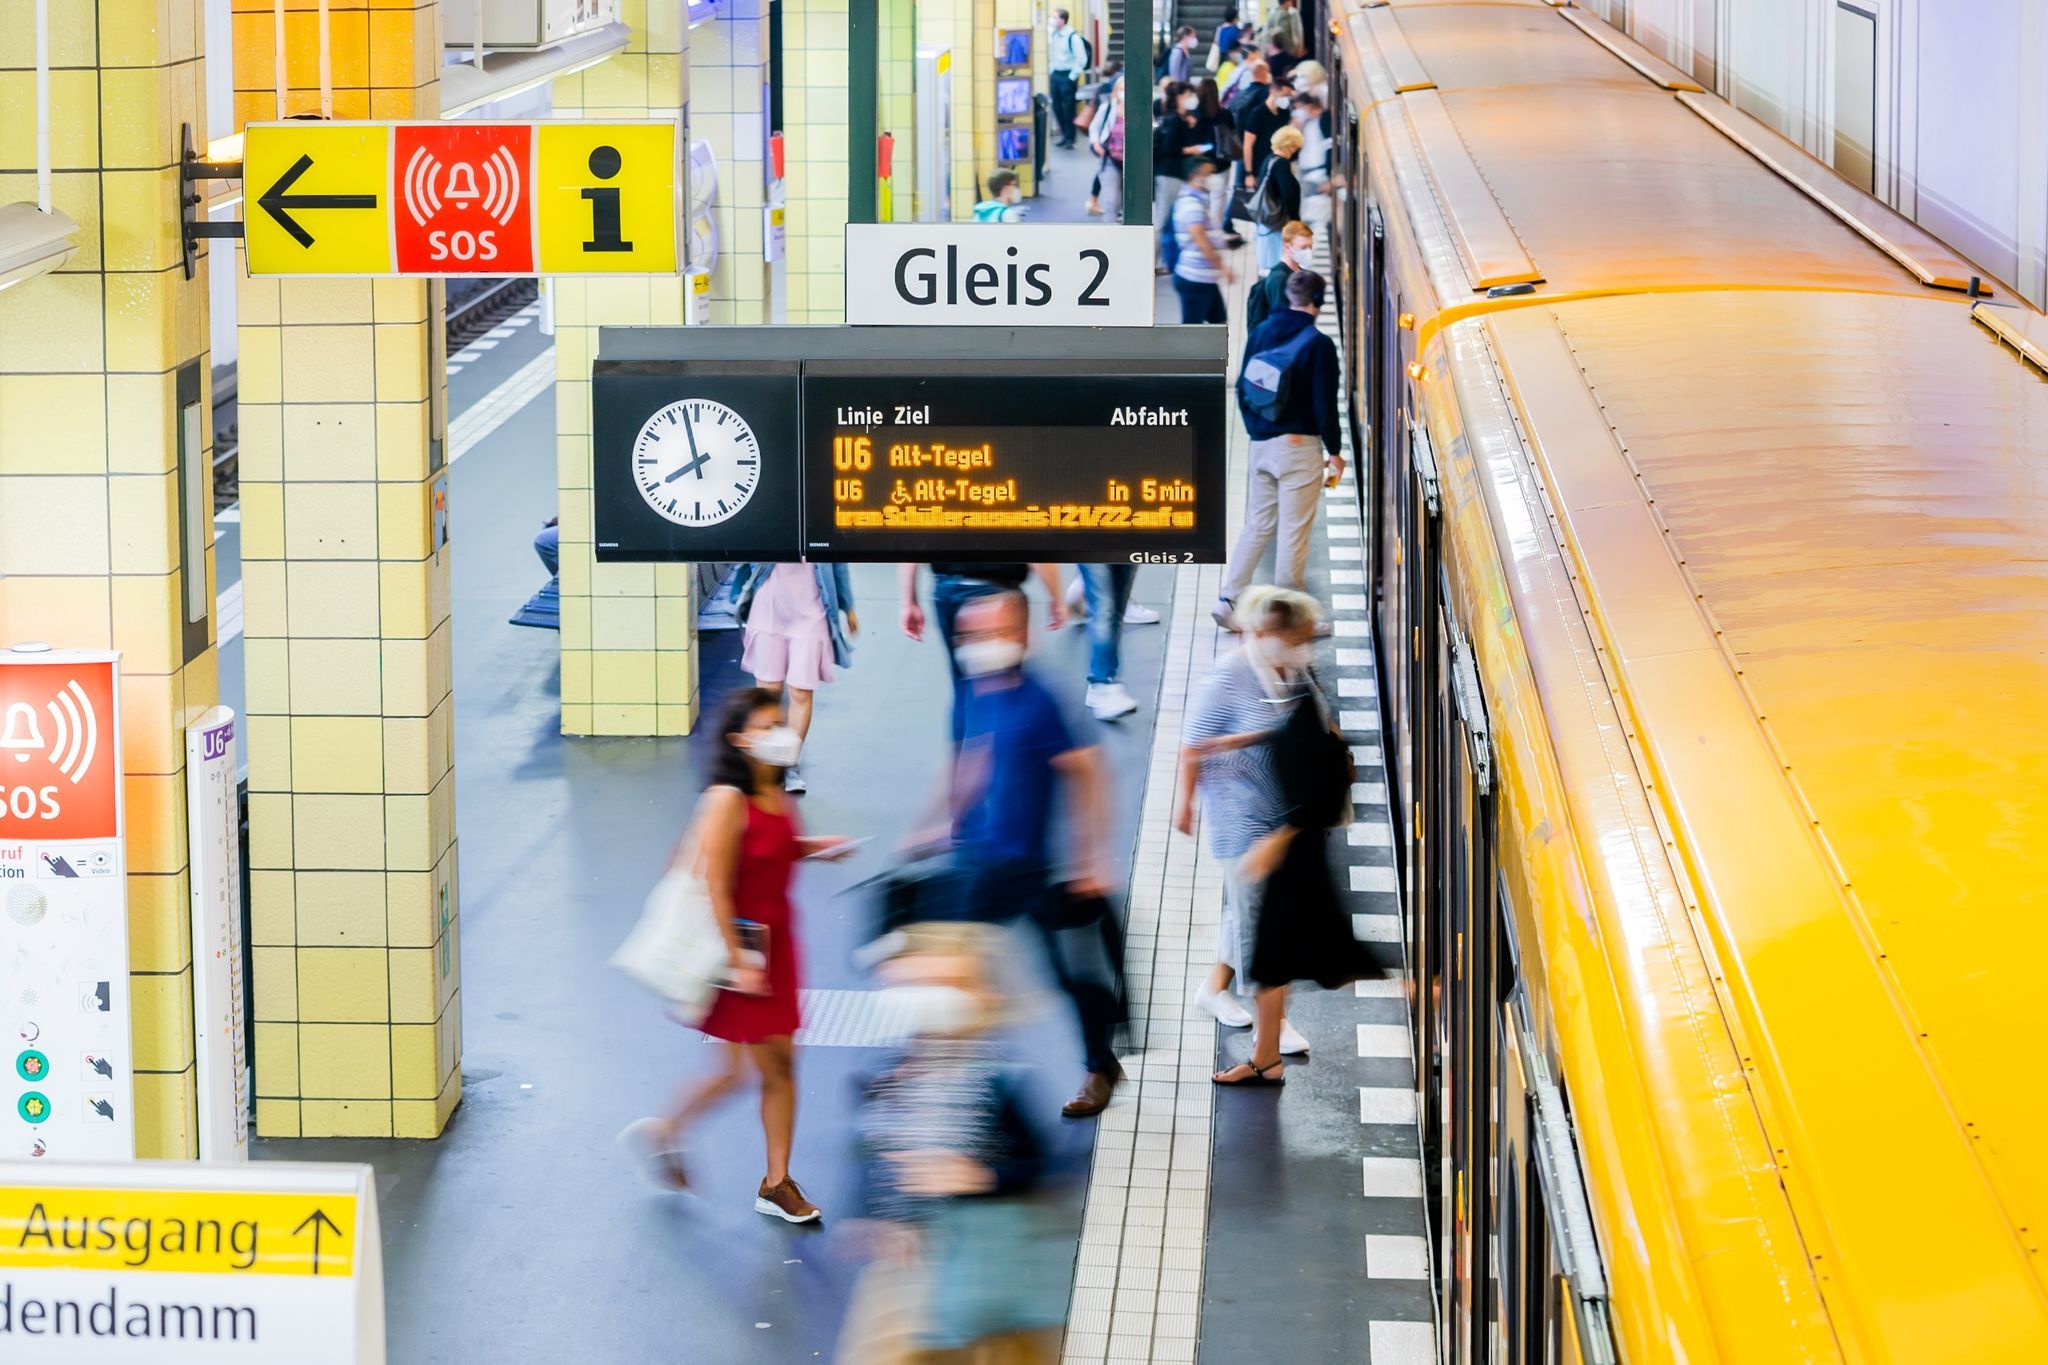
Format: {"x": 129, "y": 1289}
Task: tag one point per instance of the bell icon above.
{"x": 20, "y": 733}
{"x": 462, "y": 182}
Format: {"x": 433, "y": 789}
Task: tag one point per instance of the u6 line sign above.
{"x": 555, "y": 198}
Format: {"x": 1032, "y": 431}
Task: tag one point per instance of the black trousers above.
{"x": 1086, "y": 955}
{"x": 1063, "y": 89}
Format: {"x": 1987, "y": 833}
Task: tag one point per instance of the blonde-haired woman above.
{"x": 1227, "y": 760}
{"x": 1276, "y": 199}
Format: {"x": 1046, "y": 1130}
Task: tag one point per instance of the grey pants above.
{"x": 1286, "y": 489}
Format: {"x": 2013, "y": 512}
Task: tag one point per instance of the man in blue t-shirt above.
{"x": 1017, "y": 761}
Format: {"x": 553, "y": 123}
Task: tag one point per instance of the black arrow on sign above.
{"x": 101, "y": 1065}
{"x": 317, "y": 1220}
{"x": 103, "y": 1109}
{"x": 275, "y": 201}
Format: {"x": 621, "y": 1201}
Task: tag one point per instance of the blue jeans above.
{"x": 949, "y": 595}
{"x": 1108, "y": 588}
{"x": 1266, "y": 244}
{"x": 1199, "y": 302}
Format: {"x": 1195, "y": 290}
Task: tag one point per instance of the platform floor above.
{"x": 1239, "y": 1226}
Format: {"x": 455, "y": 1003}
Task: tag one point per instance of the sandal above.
{"x": 1273, "y": 1073}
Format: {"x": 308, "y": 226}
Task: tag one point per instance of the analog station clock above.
{"x": 696, "y": 462}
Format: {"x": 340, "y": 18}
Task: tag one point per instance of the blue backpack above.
{"x": 1265, "y": 383}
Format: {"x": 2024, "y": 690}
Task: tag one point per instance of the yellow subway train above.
{"x": 1709, "y": 502}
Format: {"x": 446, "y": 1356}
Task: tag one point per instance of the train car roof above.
{"x": 1809, "y": 529}
{"x": 1564, "y": 155}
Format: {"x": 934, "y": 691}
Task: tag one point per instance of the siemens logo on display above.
{"x": 998, "y": 275}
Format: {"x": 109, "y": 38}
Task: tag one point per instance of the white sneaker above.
{"x": 1108, "y": 701}
{"x": 1077, "y": 599}
{"x": 1136, "y": 614}
{"x": 1292, "y": 1044}
{"x": 1225, "y": 1008}
{"x": 1224, "y": 614}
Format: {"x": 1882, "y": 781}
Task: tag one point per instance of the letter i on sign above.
{"x": 464, "y": 199}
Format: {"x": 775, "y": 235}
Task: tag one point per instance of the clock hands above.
{"x": 697, "y": 459}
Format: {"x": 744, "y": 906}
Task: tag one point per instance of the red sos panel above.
{"x": 465, "y": 198}
{"x": 60, "y": 759}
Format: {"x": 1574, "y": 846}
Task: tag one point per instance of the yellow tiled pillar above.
{"x": 896, "y": 100}
{"x": 92, "y": 535}
{"x": 729, "y": 109}
{"x": 814, "y": 61}
{"x": 355, "y": 984}
{"x": 629, "y": 657}
{"x": 949, "y": 24}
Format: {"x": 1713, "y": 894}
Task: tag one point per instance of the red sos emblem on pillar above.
{"x": 60, "y": 760}
{"x": 465, "y": 199}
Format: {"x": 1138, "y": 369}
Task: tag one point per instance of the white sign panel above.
{"x": 999, "y": 275}
{"x": 64, "y": 1025}
{"x": 265, "y": 1261}
{"x": 213, "y": 811}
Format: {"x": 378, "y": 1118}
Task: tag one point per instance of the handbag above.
{"x": 676, "y": 948}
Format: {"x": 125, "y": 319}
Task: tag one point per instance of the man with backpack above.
{"x": 1287, "y": 394}
{"x": 1067, "y": 58}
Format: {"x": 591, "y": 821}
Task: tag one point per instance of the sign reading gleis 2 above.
{"x": 270, "y": 1261}
{"x": 998, "y": 275}
{"x": 555, "y": 198}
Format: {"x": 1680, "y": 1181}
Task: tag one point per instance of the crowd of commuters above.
{"x": 1017, "y": 868}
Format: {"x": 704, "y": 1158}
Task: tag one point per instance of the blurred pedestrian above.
{"x": 965, "y": 1259}
{"x": 1296, "y": 441}
{"x": 800, "y": 623}
{"x": 1276, "y": 199}
{"x": 954, "y": 586}
{"x": 1005, "y": 202}
{"x": 1106, "y": 140}
{"x": 1180, "y": 58}
{"x": 1067, "y": 61}
{"x": 744, "y": 841}
{"x": 1269, "y": 295}
{"x": 1018, "y": 762}
{"x": 1227, "y": 760}
{"x": 1199, "y": 270}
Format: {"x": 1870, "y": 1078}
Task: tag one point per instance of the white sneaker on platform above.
{"x": 1225, "y": 1008}
{"x": 1136, "y": 614}
{"x": 1292, "y": 1044}
{"x": 1108, "y": 701}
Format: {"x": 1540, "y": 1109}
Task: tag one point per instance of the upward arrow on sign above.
{"x": 318, "y": 1221}
{"x": 276, "y": 202}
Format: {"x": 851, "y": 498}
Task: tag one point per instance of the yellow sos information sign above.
{"x": 451, "y": 199}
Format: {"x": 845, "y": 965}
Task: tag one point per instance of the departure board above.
{"x": 1008, "y": 466}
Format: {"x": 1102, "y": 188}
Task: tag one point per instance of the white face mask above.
{"x": 1190, "y": 103}
{"x": 778, "y": 748}
{"x": 927, "y": 1010}
{"x": 979, "y": 658}
{"x": 1275, "y": 652}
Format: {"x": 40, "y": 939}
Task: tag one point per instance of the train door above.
{"x": 1466, "y": 920}
{"x": 1418, "y": 812}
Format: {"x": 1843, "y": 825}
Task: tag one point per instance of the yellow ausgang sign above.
{"x": 193, "y": 1232}
{"x": 449, "y": 199}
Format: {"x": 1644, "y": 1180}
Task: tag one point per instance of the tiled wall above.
{"x": 629, "y": 658}
{"x": 814, "y": 109}
{"x": 728, "y": 109}
{"x": 355, "y": 985}
{"x": 950, "y": 24}
{"x": 90, "y": 553}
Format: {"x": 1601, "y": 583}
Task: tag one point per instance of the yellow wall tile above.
{"x": 344, "y": 1061}
{"x": 403, "y": 521}
{"x": 407, "y": 595}
{"x": 336, "y": 599}
{"x": 414, "y": 982}
{"x": 147, "y": 628}
{"x": 338, "y": 832}
{"x": 623, "y": 676}
{"x": 277, "y": 1062}
{"x": 273, "y": 908}
{"x": 336, "y": 677}
{"x": 413, "y": 1071}
{"x": 265, "y": 595}
{"x": 401, "y": 355}
{"x": 270, "y": 829}
{"x": 401, "y": 440}
{"x": 345, "y": 1118}
{"x": 69, "y": 613}
{"x": 336, "y": 754}
{"x": 161, "y": 1009}
{"x": 340, "y": 910}
{"x": 159, "y": 922}
{"x": 262, "y": 521}
{"x": 139, "y": 220}
{"x": 53, "y": 525}
{"x": 342, "y": 985}
{"x": 143, "y": 523}
{"x": 153, "y": 821}
{"x": 330, "y": 521}
{"x": 410, "y": 909}
{"x": 408, "y": 836}
{"x": 327, "y": 364}
{"x": 408, "y": 763}
{"x": 74, "y": 117}
{"x": 332, "y": 302}
{"x": 405, "y": 675}
{"x": 335, "y": 442}
{"x": 621, "y": 623}
{"x": 277, "y": 1118}
{"x": 165, "y": 1115}
{"x": 143, "y": 408}
{"x": 53, "y": 423}
{"x": 142, "y": 320}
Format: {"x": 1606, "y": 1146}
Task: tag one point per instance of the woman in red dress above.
{"x": 748, "y": 844}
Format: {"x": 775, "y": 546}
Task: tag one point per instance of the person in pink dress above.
{"x": 799, "y": 621}
{"x": 748, "y": 842}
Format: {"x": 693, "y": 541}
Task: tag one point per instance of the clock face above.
{"x": 696, "y": 462}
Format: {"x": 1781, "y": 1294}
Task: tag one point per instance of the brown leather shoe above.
{"x": 787, "y": 1202}
{"x": 1093, "y": 1097}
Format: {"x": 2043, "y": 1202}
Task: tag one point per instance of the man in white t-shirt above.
{"x": 1067, "y": 59}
